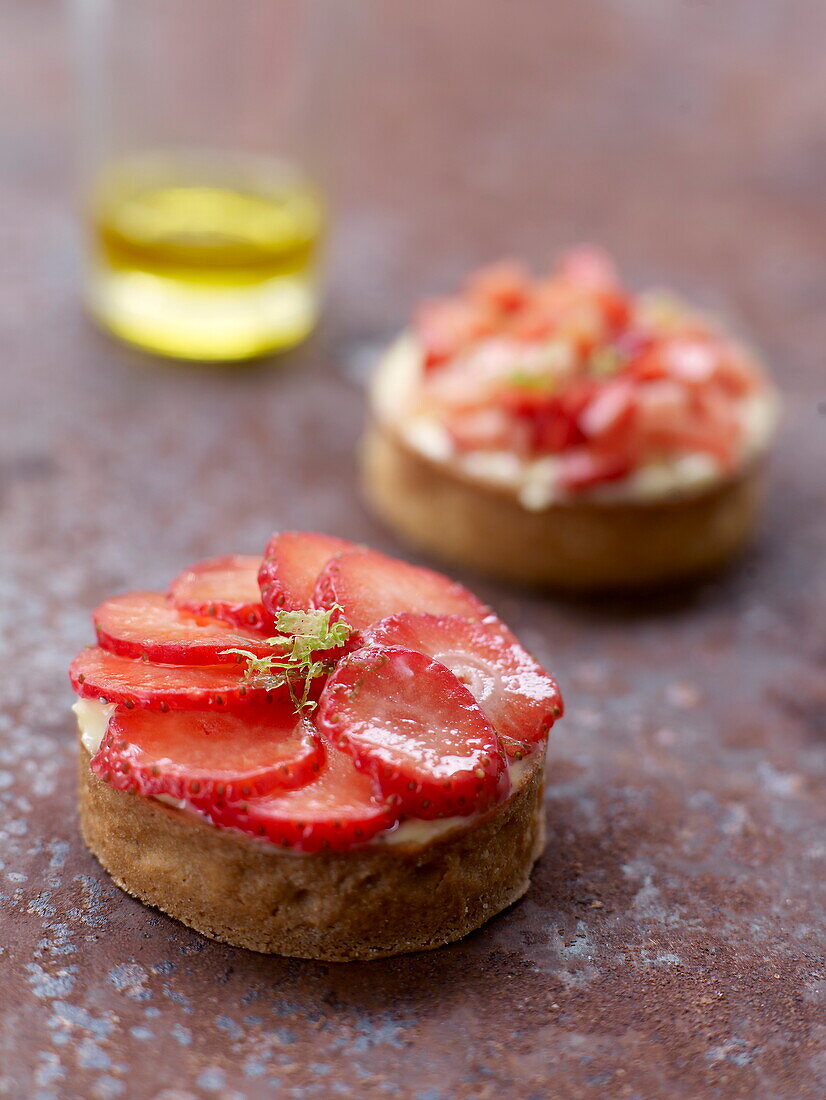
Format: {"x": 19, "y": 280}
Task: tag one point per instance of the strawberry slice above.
{"x": 370, "y": 586}
{"x": 516, "y": 693}
{"x": 409, "y": 723}
{"x": 144, "y": 624}
{"x": 292, "y": 562}
{"x": 222, "y": 588}
{"x": 337, "y": 810}
{"x": 95, "y": 673}
{"x": 203, "y": 755}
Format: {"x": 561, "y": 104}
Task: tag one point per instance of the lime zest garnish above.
{"x": 663, "y": 312}
{"x": 604, "y": 362}
{"x": 527, "y": 380}
{"x": 303, "y": 636}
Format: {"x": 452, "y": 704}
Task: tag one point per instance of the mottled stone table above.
{"x": 671, "y": 945}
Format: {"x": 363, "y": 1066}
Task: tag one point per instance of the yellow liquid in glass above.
{"x": 217, "y": 270}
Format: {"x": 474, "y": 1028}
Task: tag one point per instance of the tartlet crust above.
{"x": 363, "y": 903}
{"x": 577, "y": 546}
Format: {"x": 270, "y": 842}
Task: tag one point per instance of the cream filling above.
{"x": 93, "y": 720}
{"x": 175, "y": 803}
{"x": 535, "y": 481}
{"x": 415, "y": 831}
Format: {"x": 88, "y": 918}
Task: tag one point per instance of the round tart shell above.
{"x": 363, "y": 903}
{"x": 579, "y": 546}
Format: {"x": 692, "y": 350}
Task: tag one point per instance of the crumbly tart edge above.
{"x": 363, "y": 903}
{"x": 576, "y": 546}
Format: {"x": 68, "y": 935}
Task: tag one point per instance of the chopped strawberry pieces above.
{"x": 516, "y": 693}
{"x": 409, "y": 723}
{"x": 588, "y": 265}
{"x": 560, "y": 365}
{"x": 611, "y": 409}
{"x": 97, "y": 674}
{"x": 488, "y": 430}
{"x": 551, "y": 421}
{"x": 582, "y": 469}
{"x": 370, "y": 586}
{"x": 145, "y": 624}
{"x": 292, "y": 562}
{"x": 222, "y": 588}
{"x": 691, "y": 360}
{"x": 206, "y": 755}
{"x": 504, "y": 287}
{"x": 446, "y": 326}
{"x": 339, "y": 809}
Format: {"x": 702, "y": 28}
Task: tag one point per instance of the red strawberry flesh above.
{"x": 204, "y": 755}
{"x": 370, "y": 586}
{"x": 292, "y": 562}
{"x": 338, "y": 810}
{"x": 409, "y": 723}
{"x": 222, "y": 588}
{"x": 145, "y": 624}
{"x": 97, "y": 674}
{"x": 516, "y": 693}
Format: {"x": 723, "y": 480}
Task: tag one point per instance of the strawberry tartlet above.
{"x": 327, "y": 753}
{"x": 566, "y": 432}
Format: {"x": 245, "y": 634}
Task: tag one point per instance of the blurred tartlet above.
{"x": 565, "y": 432}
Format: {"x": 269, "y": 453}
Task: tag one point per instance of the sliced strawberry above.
{"x": 222, "y": 588}
{"x": 370, "y": 586}
{"x": 409, "y": 723}
{"x": 95, "y": 673}
{"x": 337, "y": 810}
{"x": 292, "y": 562}
{"x": 145, "y": 624}
{"x": 205, "y": 755}
{"x": 516, "y": 693}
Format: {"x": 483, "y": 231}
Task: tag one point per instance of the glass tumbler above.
{"x": 201, "y": 215}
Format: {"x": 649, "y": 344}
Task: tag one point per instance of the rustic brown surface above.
{"x": 671, "y": 945}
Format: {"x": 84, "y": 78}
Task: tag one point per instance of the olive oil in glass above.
{"x": 204, "y": 261}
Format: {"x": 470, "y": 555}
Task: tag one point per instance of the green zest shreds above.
{"x": 603, "y": 362}
{"x": 527, "y": 380}
{"x": 302, "y": 639}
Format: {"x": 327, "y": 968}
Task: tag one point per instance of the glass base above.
{"x": 203, "y": 321}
